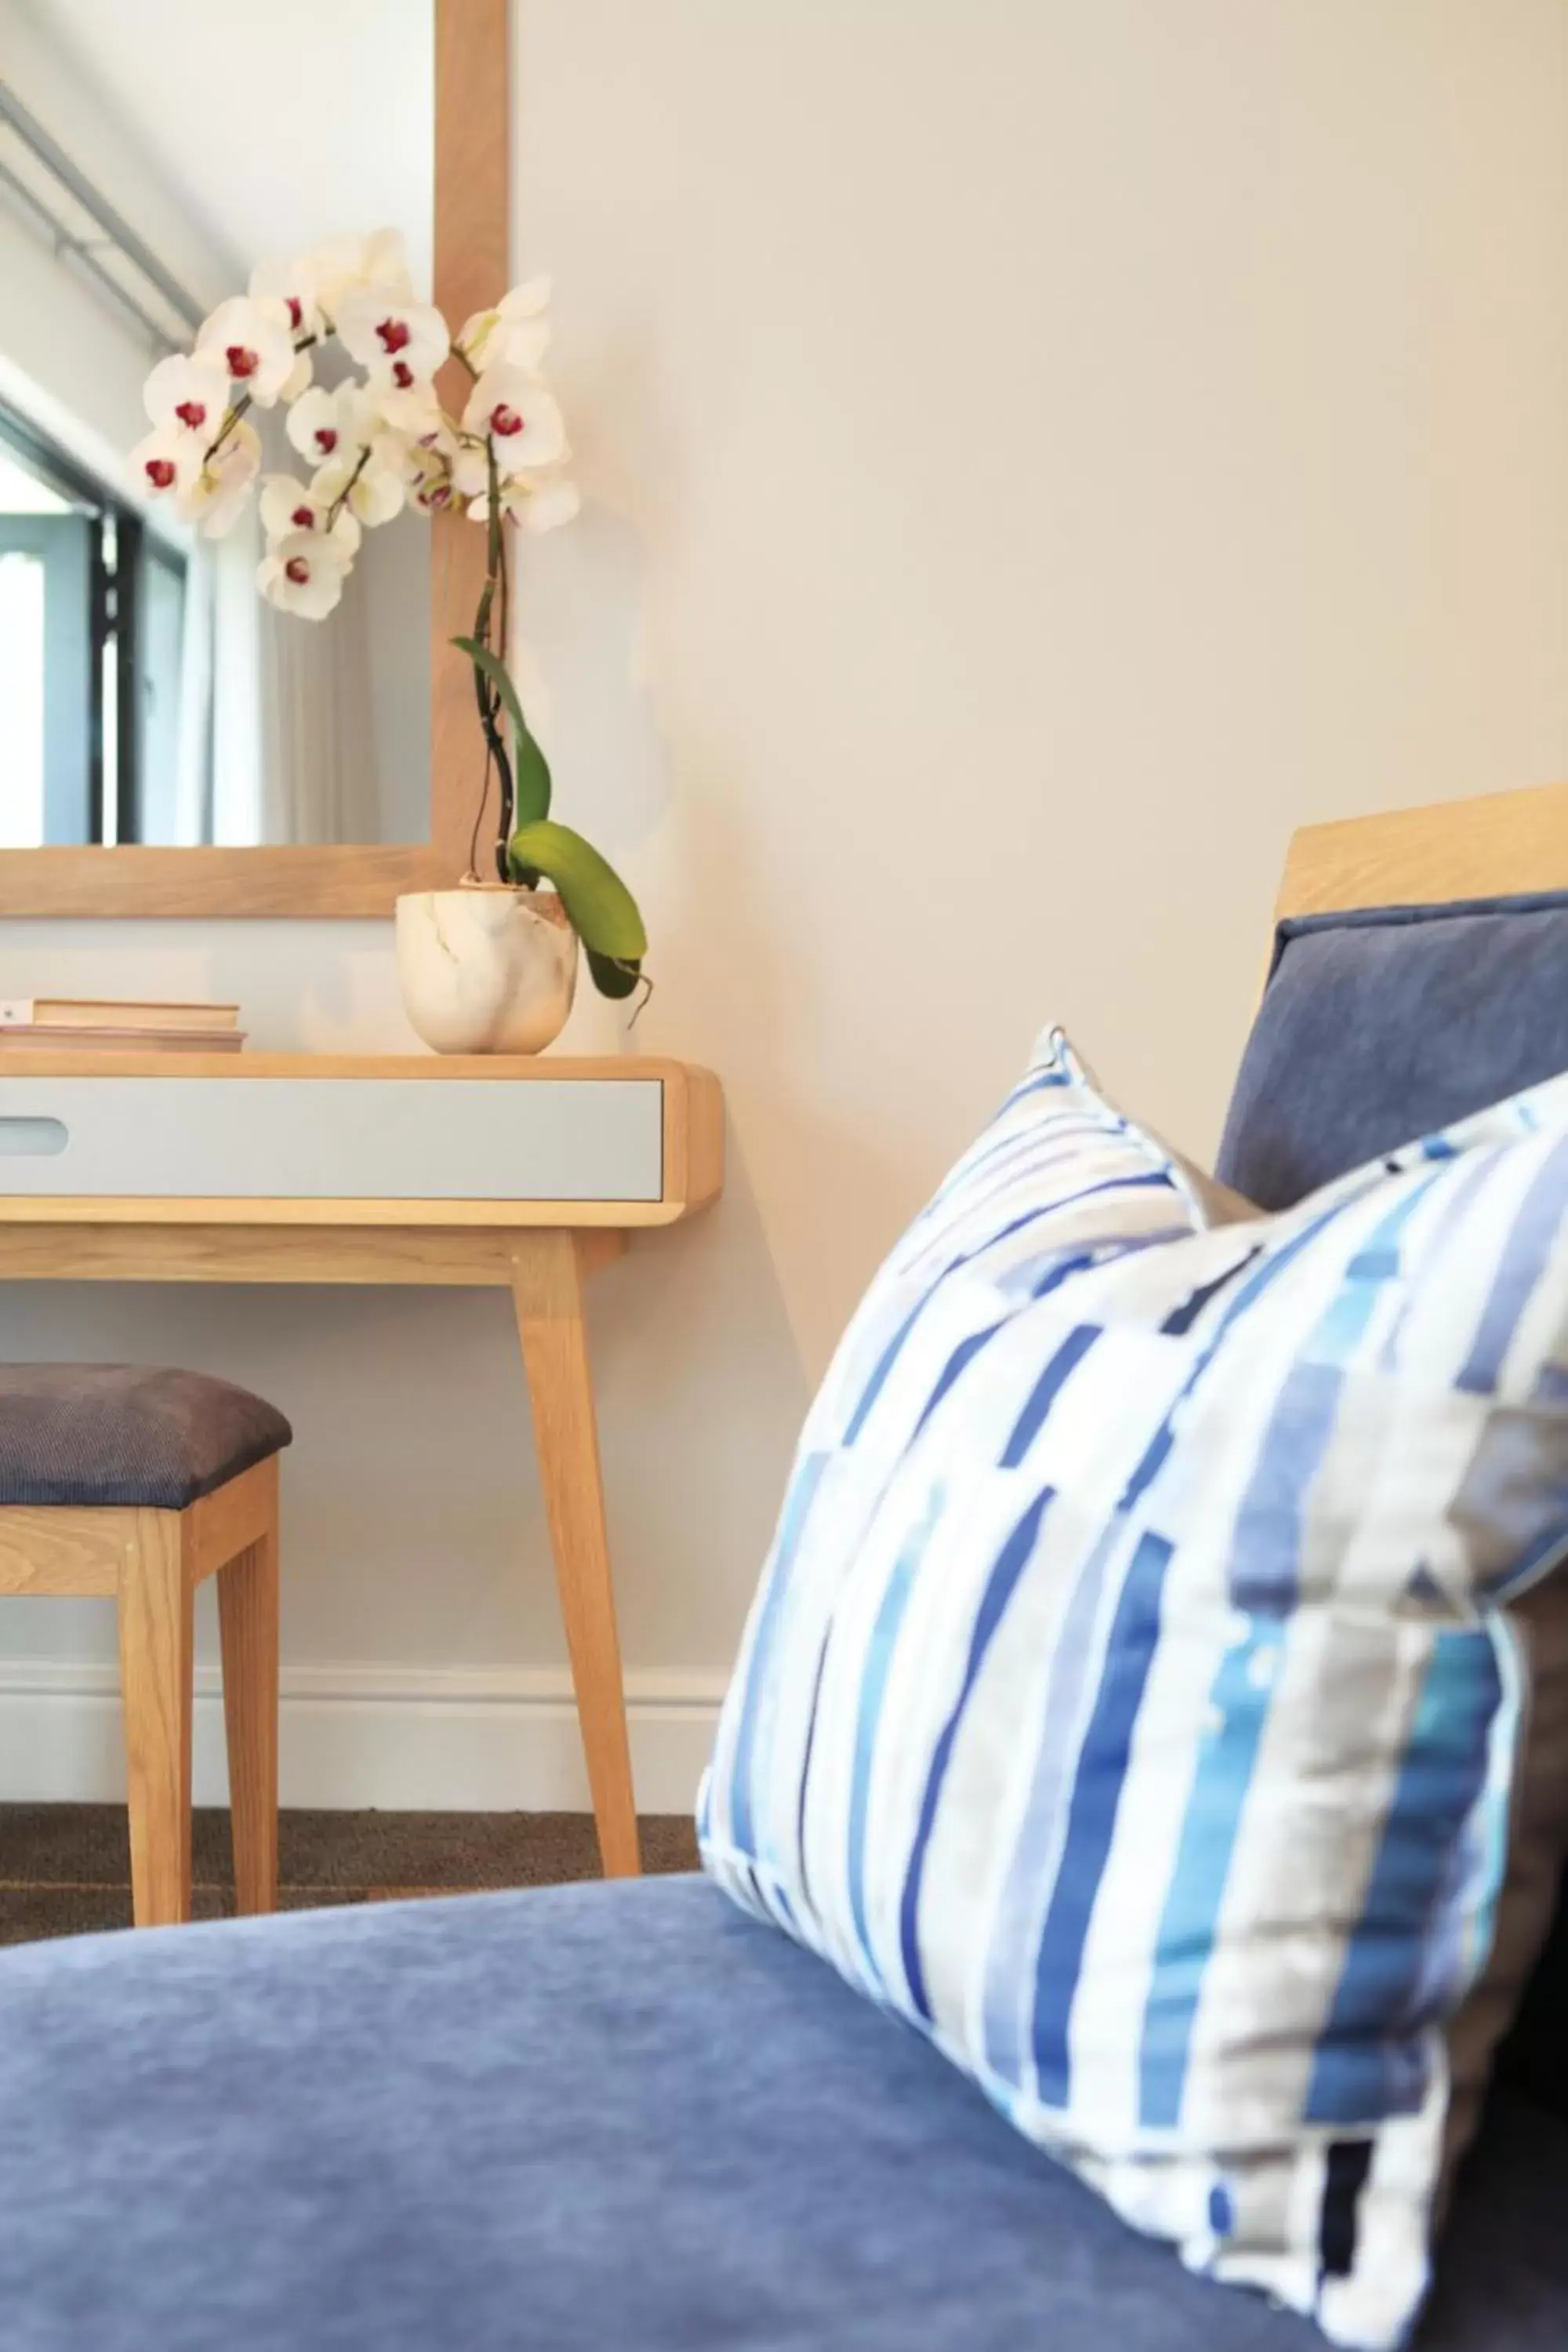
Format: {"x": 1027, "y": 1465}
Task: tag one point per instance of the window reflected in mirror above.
{"x": 93, "y": 613}
{"x": 147, "y": 693}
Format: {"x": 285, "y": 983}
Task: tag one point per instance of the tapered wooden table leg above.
{"x": 547, "y": 1286}
{"x": 155, "y": 1675}
{"x": 247, "y": 1623}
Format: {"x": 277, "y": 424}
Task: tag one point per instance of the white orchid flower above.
{"x": 373, "y": 493}
{"x": 287, "y": 506}
{"x": 431, "y": 487}
{"x": 426, "y": 446}
{"x": 215, "y": 498}
{"x": 516, "y": 333}
{"x": 298, "y": 380}
{"x": 341, "y": 263}
{"x": 471, "y": 471}
{"x": 371, "y": 445}
{"x": 443, "y": 474}
{"x": 520, "y": 415}
{"x": 188, "y": 399}
{"x": 323, "y": 424}
{"x": 303, "y": 574}
{"x": 438, "y": 468}
{"x": 547, "y": 504}
{"x": 295, "y": 284}
{"x": 537, "y": 503}
{"x": 415, "y": 413}
{"x": 167, "y": 457}
{"x": 399, "y": 342}
{"x": 255, "y": 341}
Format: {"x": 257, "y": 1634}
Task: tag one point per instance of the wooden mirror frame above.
{"x": 472, "y": 223}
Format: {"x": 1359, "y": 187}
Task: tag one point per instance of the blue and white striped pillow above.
{"x": 1135, "y": 1696}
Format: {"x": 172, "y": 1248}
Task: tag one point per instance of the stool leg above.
{"x": 247, "y": 1623}
{"x": 155, "y": 1678}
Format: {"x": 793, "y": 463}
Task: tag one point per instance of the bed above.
{"x": 624, "y": 2115}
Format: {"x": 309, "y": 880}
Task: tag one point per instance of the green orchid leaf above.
{"x": 610, "y": 978}
{"x": 599, "y": 906}
{"x": 532, "y": 780}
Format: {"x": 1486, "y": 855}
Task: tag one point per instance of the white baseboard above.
{"x": 449, "y": 1739}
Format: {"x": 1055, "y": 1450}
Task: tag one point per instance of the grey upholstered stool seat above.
{"x": 100, "y": 1435}
{"x": 132, "y": 1483}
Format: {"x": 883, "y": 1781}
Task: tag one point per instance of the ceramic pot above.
{"x": 486, "y": 969}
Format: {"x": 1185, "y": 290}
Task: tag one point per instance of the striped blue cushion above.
{"x": 1134, "y": 1697}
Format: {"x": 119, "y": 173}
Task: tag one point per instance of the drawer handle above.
{"x": 32, "y": 1138}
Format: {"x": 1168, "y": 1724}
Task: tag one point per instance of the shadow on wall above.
{"x": 741, "y": 984}
{"x": 415, "y": 1536}
{"x": 583, "y": 674}
{"x": 832, "y": 1189}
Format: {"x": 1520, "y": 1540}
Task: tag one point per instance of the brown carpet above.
{"x": 65, "y": 1869}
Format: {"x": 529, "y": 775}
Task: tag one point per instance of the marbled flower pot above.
{"x": 486, "y": 969}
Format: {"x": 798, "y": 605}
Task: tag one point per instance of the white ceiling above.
{"x": 274, "y": 121}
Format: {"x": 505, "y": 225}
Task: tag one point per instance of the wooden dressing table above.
{"x": 520, "y": 1174}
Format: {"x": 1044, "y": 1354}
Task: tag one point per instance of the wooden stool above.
{"x": 137, "y": 1483}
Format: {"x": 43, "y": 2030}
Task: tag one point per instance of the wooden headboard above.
{"x": 1500, "y": 845}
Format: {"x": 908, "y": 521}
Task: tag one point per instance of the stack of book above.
{"x": 123, "y": 1025}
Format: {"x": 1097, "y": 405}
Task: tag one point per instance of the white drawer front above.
{"x": 333, "y": 1139}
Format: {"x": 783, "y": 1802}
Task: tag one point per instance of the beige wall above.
{"x": 1038, "y": 452}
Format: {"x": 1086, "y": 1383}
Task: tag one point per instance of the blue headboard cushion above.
{"x": 1374, "y": 1027}
{"x": 1381, "y": 1023}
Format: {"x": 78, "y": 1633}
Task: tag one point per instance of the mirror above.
{"x": 149, "y": 156}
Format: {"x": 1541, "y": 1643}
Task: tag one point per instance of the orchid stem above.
{"x": 336, "y": 510}
{"x": 227, "y": 428}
